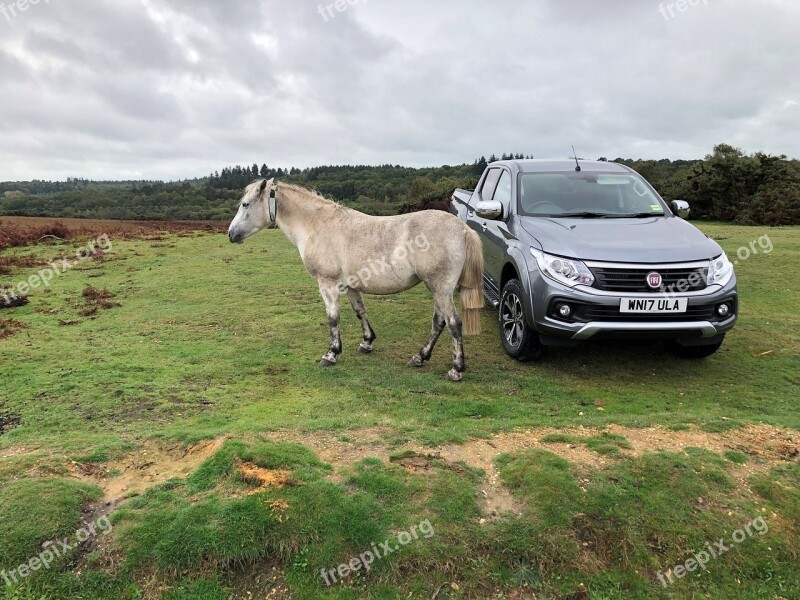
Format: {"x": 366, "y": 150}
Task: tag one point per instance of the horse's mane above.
{"x": 309, "y": 192}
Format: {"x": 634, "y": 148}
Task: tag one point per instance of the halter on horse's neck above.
{"x": 273, "y": 203}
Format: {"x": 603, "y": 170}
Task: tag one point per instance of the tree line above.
{"x": 727, "y": 185}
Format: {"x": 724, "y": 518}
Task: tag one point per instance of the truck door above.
{"x": 485, "y": 191}
{"x": 495, "y": 241}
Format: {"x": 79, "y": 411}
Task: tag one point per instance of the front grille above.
{"x": 613, "y": 279}
{"x": 612, "y": 314}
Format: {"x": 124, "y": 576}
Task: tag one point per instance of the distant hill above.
{"x": 727, "y": 185}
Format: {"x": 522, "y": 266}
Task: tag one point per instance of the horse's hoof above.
{"x": 416, "y": 362}
{"x": 326, "y": 363}
{"x": 363, "y": 350}
{"x": 454, "y": 375}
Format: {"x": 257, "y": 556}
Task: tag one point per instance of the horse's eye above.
{"x": 245, "y": 205}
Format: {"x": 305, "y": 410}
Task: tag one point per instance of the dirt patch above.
{"x": 765, "y": 445}
{"x": 144, "y": 468}
{"x": 153, "y": 464}
{"x": 263, "y": 580}
{"x": 259, "y": 478}
{"x": 8, "y": 422}
{"x": 764, "y": 441}
{"x": 22, "y": 231}
{"x": 14, "y": 262}
{"x": 341, "y": 450}
{"x": 415, "y": 462}
{"x": 9, "y": 327}
{"x": 95, "y": 300}
{"x": 15, "y": 452}
{"x": 90, "y": 520}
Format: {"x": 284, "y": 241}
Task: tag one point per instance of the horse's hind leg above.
{"x": 358, "y": 306}
{"x": 330, "y": 294}
{"x": 445, "y": 314}
{"x": 453, "y": 321}
{"x": 459, "y": 363}
{"x": 436, "y": 330}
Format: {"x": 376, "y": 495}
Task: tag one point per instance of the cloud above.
{"x": 178, "y": 88}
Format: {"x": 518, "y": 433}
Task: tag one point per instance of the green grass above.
{"x": 37, "y": 510}
{"x": 215, "y": 339}
{"x": 603, "y": 443}
{"x": 740, "y": 458}
{"x": 643, "y": 516}
{"x": 211, "y": 339}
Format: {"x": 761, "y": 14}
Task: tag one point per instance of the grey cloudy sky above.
{"x": 179, "y": 88}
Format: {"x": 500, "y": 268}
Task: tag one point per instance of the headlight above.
{"x": 720, "y": 270}
{"x": 564, "y": 270}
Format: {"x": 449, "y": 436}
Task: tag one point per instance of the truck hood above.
{"x": 647, "y": 240}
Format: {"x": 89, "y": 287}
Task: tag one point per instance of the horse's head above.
{"x": 254, "y": 214}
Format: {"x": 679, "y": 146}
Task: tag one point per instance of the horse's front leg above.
{"x": 330, "y": 294}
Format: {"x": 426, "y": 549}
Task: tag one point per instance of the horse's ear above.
{"x": 266, "y": 183}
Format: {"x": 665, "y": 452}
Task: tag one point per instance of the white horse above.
{"x": 351, "y": 253}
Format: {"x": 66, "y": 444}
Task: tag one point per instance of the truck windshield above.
{"x": 587, "y": 195}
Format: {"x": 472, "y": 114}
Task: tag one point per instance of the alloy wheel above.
{"x": 512, "y": 318}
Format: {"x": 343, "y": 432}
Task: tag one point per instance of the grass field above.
{"x": 172, "y": 384}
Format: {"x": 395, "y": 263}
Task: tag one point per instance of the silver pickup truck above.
{"x": 587, "y": 251}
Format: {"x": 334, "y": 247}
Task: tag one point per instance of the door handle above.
{"x": 483, "y": 225}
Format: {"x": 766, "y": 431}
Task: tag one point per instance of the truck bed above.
{"x": 461, "y": 195}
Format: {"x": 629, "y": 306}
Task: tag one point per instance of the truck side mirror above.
{"x": 489, "y": 209}
{"x": 681, "y": 208}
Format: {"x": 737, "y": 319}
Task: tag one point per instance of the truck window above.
{"x": 503, "y": 192}
{"x": 489, "y": 183}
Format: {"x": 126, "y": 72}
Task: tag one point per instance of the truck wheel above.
{"x": 519, "y": 339}
{"x": 695, "y": 351}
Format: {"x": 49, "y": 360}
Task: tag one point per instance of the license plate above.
{"x": 653, "y": 305}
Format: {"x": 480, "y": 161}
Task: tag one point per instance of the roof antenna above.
{"x": 575, "y": 156}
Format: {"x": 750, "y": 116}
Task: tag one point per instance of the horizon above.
{"x": 303, "y": 169}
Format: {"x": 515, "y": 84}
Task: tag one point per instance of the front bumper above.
{"x": 596, "y": 314}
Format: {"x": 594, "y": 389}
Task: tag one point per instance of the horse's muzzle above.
{"x": 235, "y": 238}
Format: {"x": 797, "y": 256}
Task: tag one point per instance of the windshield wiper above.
{"x": 582, "y": 215}
{"x": 641, "y": 215}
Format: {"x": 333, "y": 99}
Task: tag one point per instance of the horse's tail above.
{"x": 471, "y": 283}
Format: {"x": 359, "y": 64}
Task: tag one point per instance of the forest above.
{"x": 728, "y": 184}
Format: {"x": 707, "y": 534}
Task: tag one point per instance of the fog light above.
{"x": 565, "y": 310}
{"x": 723, "y": 310}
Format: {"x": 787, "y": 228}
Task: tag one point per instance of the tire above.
{"x": 695, "y": 352}
{"x": 519, "y": 339}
